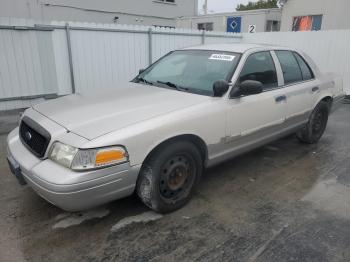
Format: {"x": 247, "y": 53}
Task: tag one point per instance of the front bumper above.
{"x": 69, "y": 190}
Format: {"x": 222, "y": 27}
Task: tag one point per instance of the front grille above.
{"x": 34, "y": 137}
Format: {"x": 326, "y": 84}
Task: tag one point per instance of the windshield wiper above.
{"x": 175, "y": 86}
{"x": 141, "y": 79}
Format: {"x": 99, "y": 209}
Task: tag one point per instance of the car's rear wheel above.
{"x": 169, "y": 175}
{"x": 312, "y": 132}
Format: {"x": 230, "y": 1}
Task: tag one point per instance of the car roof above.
{"x": 235, "y": 47}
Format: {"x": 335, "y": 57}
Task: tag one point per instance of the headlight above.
{"x": 85, "y": 159}
{"x": 62, "y": 154}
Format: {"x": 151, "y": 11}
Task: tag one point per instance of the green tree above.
{"x": 261, "y": 4}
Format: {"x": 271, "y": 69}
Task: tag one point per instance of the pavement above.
{"x": 286, "y": 201}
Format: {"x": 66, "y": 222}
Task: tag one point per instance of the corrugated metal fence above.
{"x": 39, "y": 61}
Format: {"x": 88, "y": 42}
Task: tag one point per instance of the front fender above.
{"x": 207, "y": 123}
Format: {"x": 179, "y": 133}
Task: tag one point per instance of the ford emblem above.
{"x": 28, "y": 136}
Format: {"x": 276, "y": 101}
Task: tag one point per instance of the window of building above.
{"x": 290, "y": 67}
{"x": 260, "y": 67}
{"x": 305, "y": 69}
{"x": 164, "y": 26}
{"x": 206, "y": 26}
{"x": 307, "y": 23}
{"x": 273, "y": 26}
{"x": 166, "y": 1}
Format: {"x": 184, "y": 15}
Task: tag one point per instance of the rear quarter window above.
{"x": 290, "y": 67}
{"x": 305, "y": 68}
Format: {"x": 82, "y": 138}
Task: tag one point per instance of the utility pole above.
{"x": 205, "y": 7}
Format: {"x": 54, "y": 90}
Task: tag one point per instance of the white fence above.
{"x": 329, "y": 49}
{"x": 41, "y": 61}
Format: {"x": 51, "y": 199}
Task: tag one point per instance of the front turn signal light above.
{"x": 110, "y": 157}
{"x": 95, "y": 158}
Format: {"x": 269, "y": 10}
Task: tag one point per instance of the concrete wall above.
{"x": 335, "y": 13}
{"x": 256, "y": 17}
{"x": 141, "y": 12}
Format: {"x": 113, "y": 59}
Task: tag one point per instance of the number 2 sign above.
{"x": 252, "y": 29}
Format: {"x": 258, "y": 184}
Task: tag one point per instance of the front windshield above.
{"x": 191, "y": 70}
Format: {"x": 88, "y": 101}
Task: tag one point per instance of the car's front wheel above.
{"x": 312, "y": 132}
{"x": 169, "y": 175}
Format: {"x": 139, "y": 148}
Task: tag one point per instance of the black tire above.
{"x": 312, "y": 132}
{"x": 168, "y": 177}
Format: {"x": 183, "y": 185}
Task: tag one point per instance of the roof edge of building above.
{"x": 232, "y": 13}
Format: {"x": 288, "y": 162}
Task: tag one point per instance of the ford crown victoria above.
{"x": 190, "y": 110}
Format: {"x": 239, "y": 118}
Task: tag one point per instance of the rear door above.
{"x": 299, "y": 84}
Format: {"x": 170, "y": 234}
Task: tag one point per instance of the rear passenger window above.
{"x": 290, "y": 67}
{"x": 260, "y": 67}
{"x": 305, "y": 69}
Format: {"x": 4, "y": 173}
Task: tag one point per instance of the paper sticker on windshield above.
{"x": 222, "y": 57}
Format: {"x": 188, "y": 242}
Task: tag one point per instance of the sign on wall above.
{"x": 234, "y": 24}
{"x": 307, "y": 23}
{"x": 252, "y": 29}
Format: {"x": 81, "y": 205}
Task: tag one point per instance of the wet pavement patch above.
{"x": 65, "y": 220}
{"x": 142, "y": 218}
{"x": 331, "y": 196}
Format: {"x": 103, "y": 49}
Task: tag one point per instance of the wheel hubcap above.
{"x": 177, "y": 177}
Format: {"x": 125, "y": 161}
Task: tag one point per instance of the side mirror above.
{"x": 248, "y": 87}
{"x": 220, "y": 87}
{"x": 141, "y": 71}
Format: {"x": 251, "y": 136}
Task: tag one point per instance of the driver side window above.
{"x": 260, "y": 67}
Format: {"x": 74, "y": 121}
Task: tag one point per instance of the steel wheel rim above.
{"x": 177, "y": 177}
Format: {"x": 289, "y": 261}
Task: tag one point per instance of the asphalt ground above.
{"x": 286, "y": 201}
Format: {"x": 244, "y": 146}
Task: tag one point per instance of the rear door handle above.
{"x": 315, "y": 89}
{"x": 280, "y": 98}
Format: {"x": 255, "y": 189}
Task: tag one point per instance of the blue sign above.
{"x": 234, "y": 24}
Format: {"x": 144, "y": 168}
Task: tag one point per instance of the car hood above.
{"x": 94, "y": 114}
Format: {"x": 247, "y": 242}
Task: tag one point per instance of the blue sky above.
{"x": 219, "y": 6}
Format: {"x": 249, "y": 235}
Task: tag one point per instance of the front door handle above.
{"x": 315, "y": 89}
{"x": 280, "y": 98}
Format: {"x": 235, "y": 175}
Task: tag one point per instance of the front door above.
{"x": 252, "y": 118}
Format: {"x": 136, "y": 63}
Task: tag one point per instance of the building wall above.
{"x": 145, "y": 12}
{"x": 256, "y": 17}
{"x": 335, "y": 13}
{"x": 219, "y": 22}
